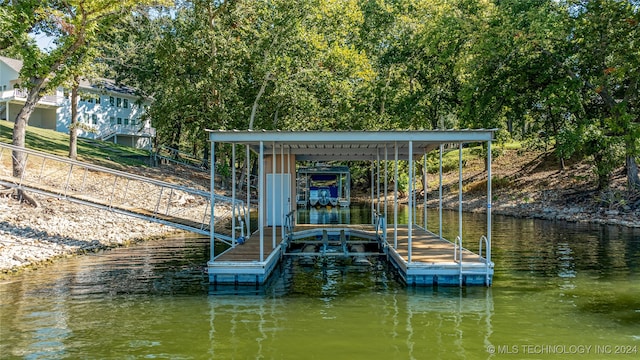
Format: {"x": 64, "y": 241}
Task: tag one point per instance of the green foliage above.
{"x": 547, "y": 73}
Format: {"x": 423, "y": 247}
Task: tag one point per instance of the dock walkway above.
{"x": 434, "y": 261}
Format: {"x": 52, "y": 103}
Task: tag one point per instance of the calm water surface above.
{"x": 560, "y": 291}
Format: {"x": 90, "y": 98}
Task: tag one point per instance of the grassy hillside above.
{"x": 102, "y": 153}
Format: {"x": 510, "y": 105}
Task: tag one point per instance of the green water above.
{"x": 560, "y": 291}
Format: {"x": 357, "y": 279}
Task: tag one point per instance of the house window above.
{"x": 119, "y": 121}
{"x": 90, "y": 100}
{"x": 112, "y": 120}
{"x": 126, "y": 121}
{"x": 94, "y": 119}
{"x": 112, "y": 101}
{"x": 98, "y": 100}
{"x": 125, "y": 103}
{"x": 118, "y": 102}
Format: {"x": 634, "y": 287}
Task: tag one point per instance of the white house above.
{"x": 107, "y": 111}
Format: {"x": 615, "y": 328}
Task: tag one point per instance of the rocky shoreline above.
{"x": 549, "y": 210}
{"x": 33, "y": 236}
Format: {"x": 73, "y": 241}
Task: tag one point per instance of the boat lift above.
{"x": 323, "y": 185}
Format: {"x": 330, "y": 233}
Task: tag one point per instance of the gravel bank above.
{"x": 31, "y": 236}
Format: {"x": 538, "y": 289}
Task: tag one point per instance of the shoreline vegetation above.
{"x": 526, "y": 184}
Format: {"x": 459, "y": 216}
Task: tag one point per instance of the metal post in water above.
{"x": 212, "y": 201}
{"x": 261, "y": 199}
{"x": 489, "y": 200}
{"x": 440, "y": 193}
{"x": 395, "y": 200}
{"x": 460, "y": 206}
{"x": 273, "y": 194}
{"x": 247, "y": 214}
{"x": 460, "y": 193}
{"x": 386, "y": 181}
{"x": 378, "y": 179}
{"x": 410, "y": 200}
{"x": 426, "y": 187}
{"x": 282, "y": 212}
{"x": 233, "y": 195}
{"x": 373, "y": 213}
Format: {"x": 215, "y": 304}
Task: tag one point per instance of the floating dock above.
{"x": 422, "y": 258}
{"x": 434, "y": 261}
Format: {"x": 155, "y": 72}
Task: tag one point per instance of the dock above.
{"x": 434, "y": 261}
{"x": 287, "y": 159}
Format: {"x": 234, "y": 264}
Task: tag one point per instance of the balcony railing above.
{"x": 21, "y": 94}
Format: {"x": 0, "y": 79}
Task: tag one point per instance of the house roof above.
{"x": 98, "y": 84}
{"x": 14, "y": 64}
{"x": 350, "y": 145}
{"x": 108, "y": 85}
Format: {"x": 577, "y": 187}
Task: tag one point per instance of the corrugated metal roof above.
{"x": 350, "y": 145}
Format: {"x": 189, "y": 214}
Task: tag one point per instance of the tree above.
{"x": 607, "y": 55}
{"x": 74, "y": 25}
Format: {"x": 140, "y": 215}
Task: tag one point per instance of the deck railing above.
{"x": 485, "y": 241}
{"x": 289, "y": 223}
{"x": 21, "y": 94}
{"x": 381, "y": 226}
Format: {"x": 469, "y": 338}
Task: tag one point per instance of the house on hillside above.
{"x": 106, "y": 110}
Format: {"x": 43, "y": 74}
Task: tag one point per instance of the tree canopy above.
{"x": 559, "y": 74}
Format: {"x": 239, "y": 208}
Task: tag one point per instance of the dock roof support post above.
{"x": 247, "y": 214}
{"x": 440, "y": 192}
{"x": 261, "y": 199}
{"x": 378, "y": 179}
{"x": 293, "y": 178}
{"x": 373, "y": 209}
{"x": 395, "y": 199}
{"x": 424, "y": 188}
{"x": 386, "y": 184}
{"x": 273, "y": 195}
{"x": 488, "y": 250}
{"x": 282, "y": 194}
{"x": 212, "y": 201}
{"x": 410, "y": 222}
{"x": 233, "y": 195}
{"x": 460, "y": 200}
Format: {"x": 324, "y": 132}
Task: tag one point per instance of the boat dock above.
{"x": 434, "y": 261}
{"x": 422, "y": 258}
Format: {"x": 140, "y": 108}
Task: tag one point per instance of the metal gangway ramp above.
{"x": 117, "y": 191}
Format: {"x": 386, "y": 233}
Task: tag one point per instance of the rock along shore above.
{"x": 30, "y": 237}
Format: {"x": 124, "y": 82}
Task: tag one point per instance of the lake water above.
{"x": 560, "y": 291}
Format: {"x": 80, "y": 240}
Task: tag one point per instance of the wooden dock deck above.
{"x": 432, "y": 259}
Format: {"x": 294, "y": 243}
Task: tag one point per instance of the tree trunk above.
{"x": 73, "y": 128}
{"x": 175, "y": 140}
{"x": 254, "y": 108}
{"x": 19, "y": 134}
{"x": 633, "y": 180}
{"x": 20, "y": 127}
{"x": 205, "y": 157}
